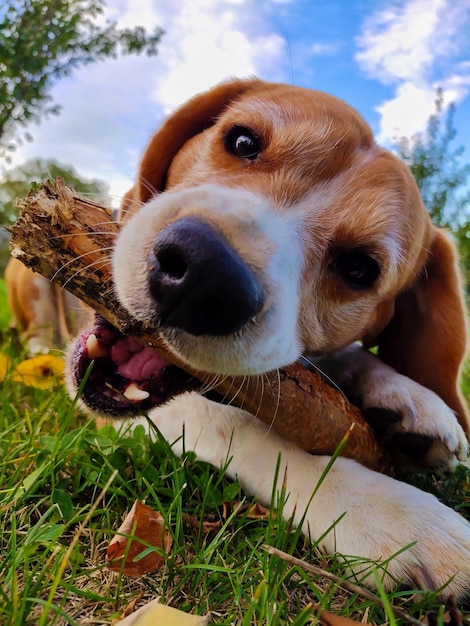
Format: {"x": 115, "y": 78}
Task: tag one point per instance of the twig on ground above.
{"x": 344, "y": 584}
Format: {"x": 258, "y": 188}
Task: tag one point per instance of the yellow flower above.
{"x": 5, "y": 365}
{"x": 42, "y": 371}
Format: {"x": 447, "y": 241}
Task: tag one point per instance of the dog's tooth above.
{"x": 134, "y": 393}
{"x": 95, "y": 348}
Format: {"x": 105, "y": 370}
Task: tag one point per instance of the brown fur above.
{"x": 45, "y": 314}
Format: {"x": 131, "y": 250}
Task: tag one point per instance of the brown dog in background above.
{"x": 46, "y": 315}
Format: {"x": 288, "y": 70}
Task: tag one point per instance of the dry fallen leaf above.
{"x": 129, "y": 609}
{"x": 329, "y": 619}
{"x": 154, "y": 614}
{"x": 208, "y": 526}
{"x": 142, "y": 527}
{"x": 250, "y": 510}
{"x": 43, "y": 371}
{"x": 258, "y": 511}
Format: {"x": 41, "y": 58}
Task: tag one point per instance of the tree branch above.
{"x": 69, "y": 240}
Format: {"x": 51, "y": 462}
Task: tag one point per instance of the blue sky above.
{"x": 384, "y": 57}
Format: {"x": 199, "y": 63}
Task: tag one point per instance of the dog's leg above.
{"x": 412, "y": 419}
{"x": 376, "y": 516}
{"x": 41, "y": 334}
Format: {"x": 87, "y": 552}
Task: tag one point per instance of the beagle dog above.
{"x": 265, "y": 225}
{"x": 45, "y": 314}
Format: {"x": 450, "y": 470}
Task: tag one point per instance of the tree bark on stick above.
{"x": 69, "y": 240}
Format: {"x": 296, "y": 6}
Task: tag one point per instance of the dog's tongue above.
{"x": 135, "y": 361}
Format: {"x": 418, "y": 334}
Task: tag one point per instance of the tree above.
{"x": 437, "y": 168}
{"x": 17, "y": 183}
{"x": 44, "y": 40}
{"x": 442, "y": 178}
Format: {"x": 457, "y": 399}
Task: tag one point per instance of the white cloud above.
{"x": 110, "y": 109}
{"x": 405, "y": 44}
{"x": 405, "y": 114}
{"x": 208, "y": 41}
{"x": 399, "y": 42}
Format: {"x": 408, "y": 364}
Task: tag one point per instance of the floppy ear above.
{"x": 426, "y": 338}
{"x": 191, "y": 119}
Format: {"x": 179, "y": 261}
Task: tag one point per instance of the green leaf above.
{"x": 64, "y": 502}
{"x": 231, "y": 492}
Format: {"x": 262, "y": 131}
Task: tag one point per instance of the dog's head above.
{"x": 266, "y": 223}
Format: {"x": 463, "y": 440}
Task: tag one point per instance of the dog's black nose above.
{"x": 199, "y": 282}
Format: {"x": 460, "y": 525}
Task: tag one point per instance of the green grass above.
{"x": 5, "y": 315}
{"x": 65, "y": 487}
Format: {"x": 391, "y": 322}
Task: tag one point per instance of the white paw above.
{"x": 413, "y": 421}
{"x": 417, "y": 417}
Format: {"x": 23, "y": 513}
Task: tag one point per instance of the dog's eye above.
{"x": 243, "y": 143}
{"x": 357, "y": 269}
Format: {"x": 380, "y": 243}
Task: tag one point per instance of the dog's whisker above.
{"x": 98, "y": 263}
{"x": 318, "y": 369}
{"x": 94, "y": 266}
{"x": 108, "y": 292}
{"x": 244, "y": 383}
{"x": 248, "y": 383}
{"x": 81, "y": 256}
{"x": 130, "y": 211}
{"x": 95, "y": 232}
{"x": 148, "y": 186}
{"x": 276, "y": 393}
{"x": 227, "y": 397}
{"x": 94, "y": 195}
{"x": 238, "y": 391}
{"x": 261, "y": 394}
{"x": 211, "y": 382}
{"x": 259, "y": 381}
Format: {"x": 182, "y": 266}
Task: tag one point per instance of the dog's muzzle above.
{"x": 199, "y": 284}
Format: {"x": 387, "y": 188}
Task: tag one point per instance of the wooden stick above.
{"x": 69, "y": 239}
{"x": 311, "y": 568}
